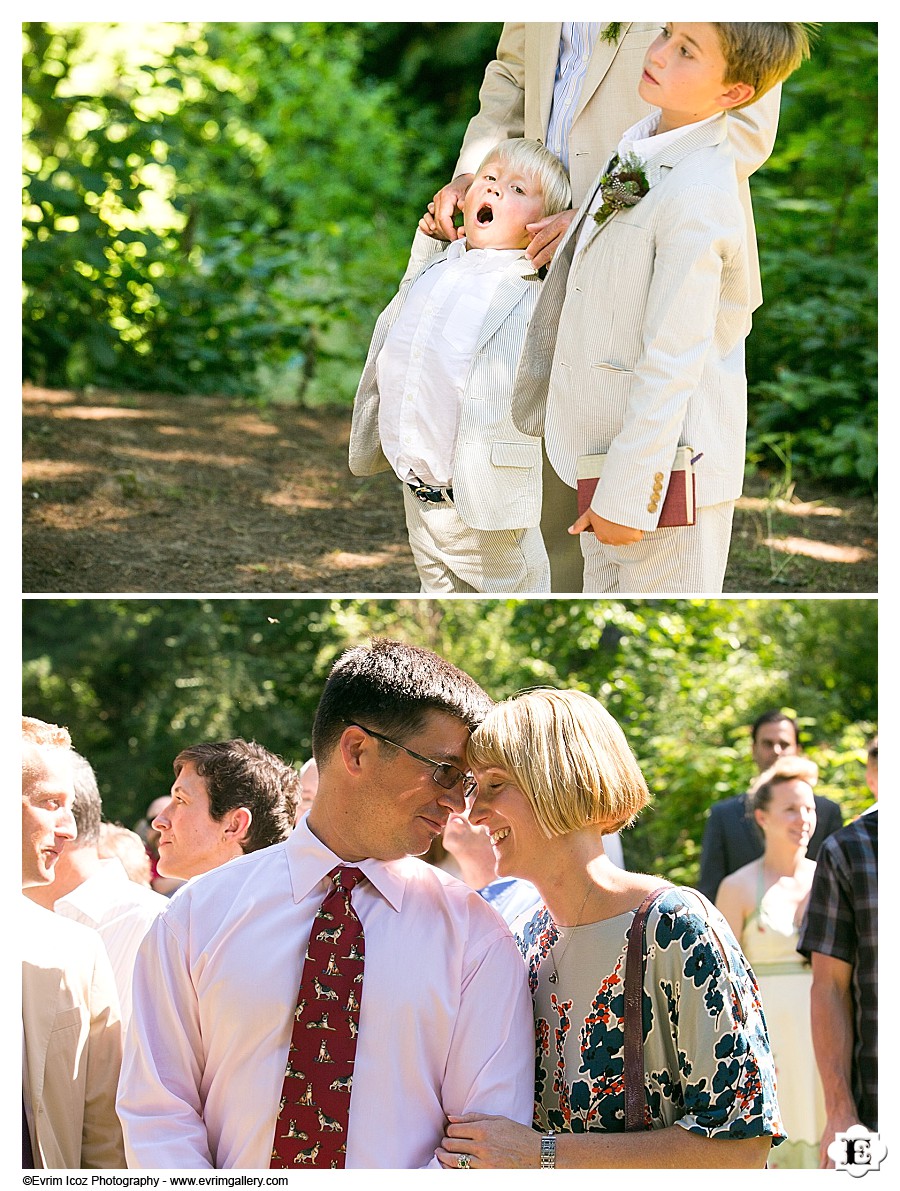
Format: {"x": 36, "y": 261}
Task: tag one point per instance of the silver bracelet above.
{"x": 548, "y": 1151}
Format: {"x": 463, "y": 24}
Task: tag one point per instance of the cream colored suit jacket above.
{"x": 637, "y": 343}
{"x": 73, "y": 1043}
{"x": 497, "y": 468}
{"x": 517, "y": 93}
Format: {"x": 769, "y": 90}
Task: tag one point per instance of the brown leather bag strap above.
{"x": 635, "y": 1098}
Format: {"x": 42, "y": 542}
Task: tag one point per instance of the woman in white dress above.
{"x": 764, "y": 903}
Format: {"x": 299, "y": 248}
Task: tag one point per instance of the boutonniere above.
{"x": 611, "y": 32}
{"x": 624, "y": 186}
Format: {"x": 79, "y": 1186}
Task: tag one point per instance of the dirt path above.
{"x": 150, "y": 493}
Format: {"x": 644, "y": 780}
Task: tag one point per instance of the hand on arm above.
{"x": 831, "y": 1009}
{"x": 494, "y": 1143}
{"x": 607, "y": 532}
{"x": 548, "y": 235}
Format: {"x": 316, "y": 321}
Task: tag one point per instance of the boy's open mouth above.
{"x": 484, "y": 215}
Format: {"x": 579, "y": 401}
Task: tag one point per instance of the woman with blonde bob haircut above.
{"x": 567, "y": 755}
{"x": 555, "y": 774}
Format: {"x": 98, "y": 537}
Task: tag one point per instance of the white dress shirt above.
{"x": 122, "y": 912}
{"x": 424, "y": 363}
{"x": 576, "y": 44}
{"x": 446, "y": 1022}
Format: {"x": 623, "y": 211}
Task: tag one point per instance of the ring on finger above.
{"x": 464, "y": 1162}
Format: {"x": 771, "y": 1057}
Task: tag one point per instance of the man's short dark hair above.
{"x": 87, "y": 807}
{"x": 774, "y": 717}
{"x": 391, "y": 687}
{"x": 243, "y": 773}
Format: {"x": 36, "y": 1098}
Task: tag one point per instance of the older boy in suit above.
{"x": 637, "y": 345}
{"x": 434, "y": 399}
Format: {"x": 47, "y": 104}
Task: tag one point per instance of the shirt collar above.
{"x": 643, "y": 141}
{"x": 310, "y": 861}
{"x": 487, "y": 260}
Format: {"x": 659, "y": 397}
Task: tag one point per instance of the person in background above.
{"x": 97, "y": 892}
{"x": 228, "y": 798}
{"x": 764, "y": 903}
{"x": 840, "y": 937}
{"x": 71, "y": 1028}
{"x": 470, "y": 847}
{"x": 730, "y": 838}
{"x": 164, "y": 885}
{"x": 309, "y": 784}
{"x": 122, "y": 844}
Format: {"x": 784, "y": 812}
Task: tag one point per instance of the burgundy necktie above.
{"x": 311, "y": 1128}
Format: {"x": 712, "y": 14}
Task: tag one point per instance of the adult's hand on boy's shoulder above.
{"x": 442, "y": 208}
{"x": 610, "y": 533}
{"x": 547, "y": 236}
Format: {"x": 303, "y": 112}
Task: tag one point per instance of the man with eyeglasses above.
{"x": 230, "y": 1040}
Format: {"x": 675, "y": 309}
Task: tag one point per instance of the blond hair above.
{"x": 762, "y": 53}
{"x": 531, "y": 157}
{"x": 567, "y": 755}
{"x": 36, "y": 734}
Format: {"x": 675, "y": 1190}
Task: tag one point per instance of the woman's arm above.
{"x": 494, "y": 1143}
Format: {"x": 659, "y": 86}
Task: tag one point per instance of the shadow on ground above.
{"x": 135, "y": 493}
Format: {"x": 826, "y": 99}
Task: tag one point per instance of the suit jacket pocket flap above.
{"x": 67, "y": 1018}
{"x": 516, "y": 454}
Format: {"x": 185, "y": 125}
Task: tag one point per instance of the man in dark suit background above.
{"x": 730, "y": 838}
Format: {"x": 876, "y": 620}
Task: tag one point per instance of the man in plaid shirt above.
{"x": 840, "y": 936}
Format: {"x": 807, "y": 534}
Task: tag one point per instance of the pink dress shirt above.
{"x": 446, "y": 1023}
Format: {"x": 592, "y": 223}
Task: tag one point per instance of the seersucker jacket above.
{"x": 497, "y": 468}
{"x": 637, "y": 343}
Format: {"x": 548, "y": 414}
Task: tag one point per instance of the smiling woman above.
{"x": 764, "y": 903}
{"x": 555, "y": 773}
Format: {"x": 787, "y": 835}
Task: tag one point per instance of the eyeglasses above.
{"x": 445, "y": 774}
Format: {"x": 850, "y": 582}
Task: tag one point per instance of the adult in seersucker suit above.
{"x": 515, "y": 100}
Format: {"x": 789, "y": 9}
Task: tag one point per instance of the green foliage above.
{"x": 812, "y": 357}
{"x": 287, "y": 198}
{"x": 135, "y": 681}
{"x": 225, "y": 207}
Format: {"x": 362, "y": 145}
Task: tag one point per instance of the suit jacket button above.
{"x": 659, "y": 476}
{"x": 652, "y": 506}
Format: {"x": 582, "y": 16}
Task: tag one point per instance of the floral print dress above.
{"x": 707, "y": 1062}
